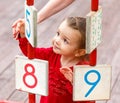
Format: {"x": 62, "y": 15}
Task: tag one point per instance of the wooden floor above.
{"x": 108, "y": 50}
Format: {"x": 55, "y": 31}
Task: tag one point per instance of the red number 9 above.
{"x": 28, "y": 73}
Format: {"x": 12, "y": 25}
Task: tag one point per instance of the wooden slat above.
{"x": 108, "y": 50}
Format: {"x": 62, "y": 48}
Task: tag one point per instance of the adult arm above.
{"x": 51, "y": 8}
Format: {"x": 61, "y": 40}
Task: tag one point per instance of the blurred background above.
{"x": 108, "y": 50}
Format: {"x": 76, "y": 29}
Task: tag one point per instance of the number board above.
{"x": 31, "y": 75}
{"x": 93, "y": 30}
{"x": 91, "y": 83}
{"x": 31, "y": 24}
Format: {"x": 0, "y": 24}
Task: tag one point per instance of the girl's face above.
{"x": 66, "y": 41}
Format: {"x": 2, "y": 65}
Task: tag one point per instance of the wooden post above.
{"x": 93, "y": 55}
{"x": 31, "y": 55}
{"x": 94, "y": 5}
{"x": 30, "y": 2}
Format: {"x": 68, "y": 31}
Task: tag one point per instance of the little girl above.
{"x": 68, "y": 49}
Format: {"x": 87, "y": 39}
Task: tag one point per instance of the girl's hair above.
{"x": 78, "y": 23}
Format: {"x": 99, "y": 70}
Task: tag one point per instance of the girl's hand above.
{"x": 18, "y": 27}
{"x": 67, "y": 72}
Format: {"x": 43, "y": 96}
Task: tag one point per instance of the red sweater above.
{"x": 60, "y": 89}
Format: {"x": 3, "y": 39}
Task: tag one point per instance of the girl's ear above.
{"x": 80, "y": 52}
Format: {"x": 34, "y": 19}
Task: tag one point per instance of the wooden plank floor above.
{"x": 108, "y": 50}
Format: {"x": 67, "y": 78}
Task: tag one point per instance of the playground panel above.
{"x": 91, "y": 83}
{"x": 31, "y": 75}
{"x": 31, "y": 24}
{"x": 93, "y": 30}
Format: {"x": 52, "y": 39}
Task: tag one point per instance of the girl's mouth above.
{"x": 55, "y": 47}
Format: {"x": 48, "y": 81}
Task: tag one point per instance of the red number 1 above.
{"x": 29, "y": 74}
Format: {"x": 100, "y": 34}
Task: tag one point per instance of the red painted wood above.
{"x": 93, "y": 57}
{"x": 93, "y": 54}
{"x": 31, "y": 98}
{"x": 94, "y": 5}
{"x": 30, "y": 2}
{"x": 30, "y": 55}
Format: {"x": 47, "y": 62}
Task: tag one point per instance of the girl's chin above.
{"x": 56, "y": 51}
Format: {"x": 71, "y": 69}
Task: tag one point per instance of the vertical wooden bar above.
{"x": 31, "y": 97}
{"x": 94, "y": 5}
{"x": 30, "y": 2}
{"x": 31, "y": 55}
{"x": 93, "y": 54}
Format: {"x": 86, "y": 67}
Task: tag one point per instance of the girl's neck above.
{"x": 69, "y": 61}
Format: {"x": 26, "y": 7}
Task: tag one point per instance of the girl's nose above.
{"x": 57, "y": 40}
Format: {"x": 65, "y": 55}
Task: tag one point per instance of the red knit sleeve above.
{"x": 43, "y": 53}
{"x": 40, "y": 53}
{"x": 23, "y": 45}
{"x": 69, "y": 87}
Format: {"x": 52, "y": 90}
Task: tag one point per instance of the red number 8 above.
{"x": 29, "y": 74}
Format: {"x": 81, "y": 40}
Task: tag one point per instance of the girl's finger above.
{"x": 17, "y": 21}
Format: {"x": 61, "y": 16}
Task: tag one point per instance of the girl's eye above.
{"x": 65, "y": 41}
{"x": 58, "y": 34}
